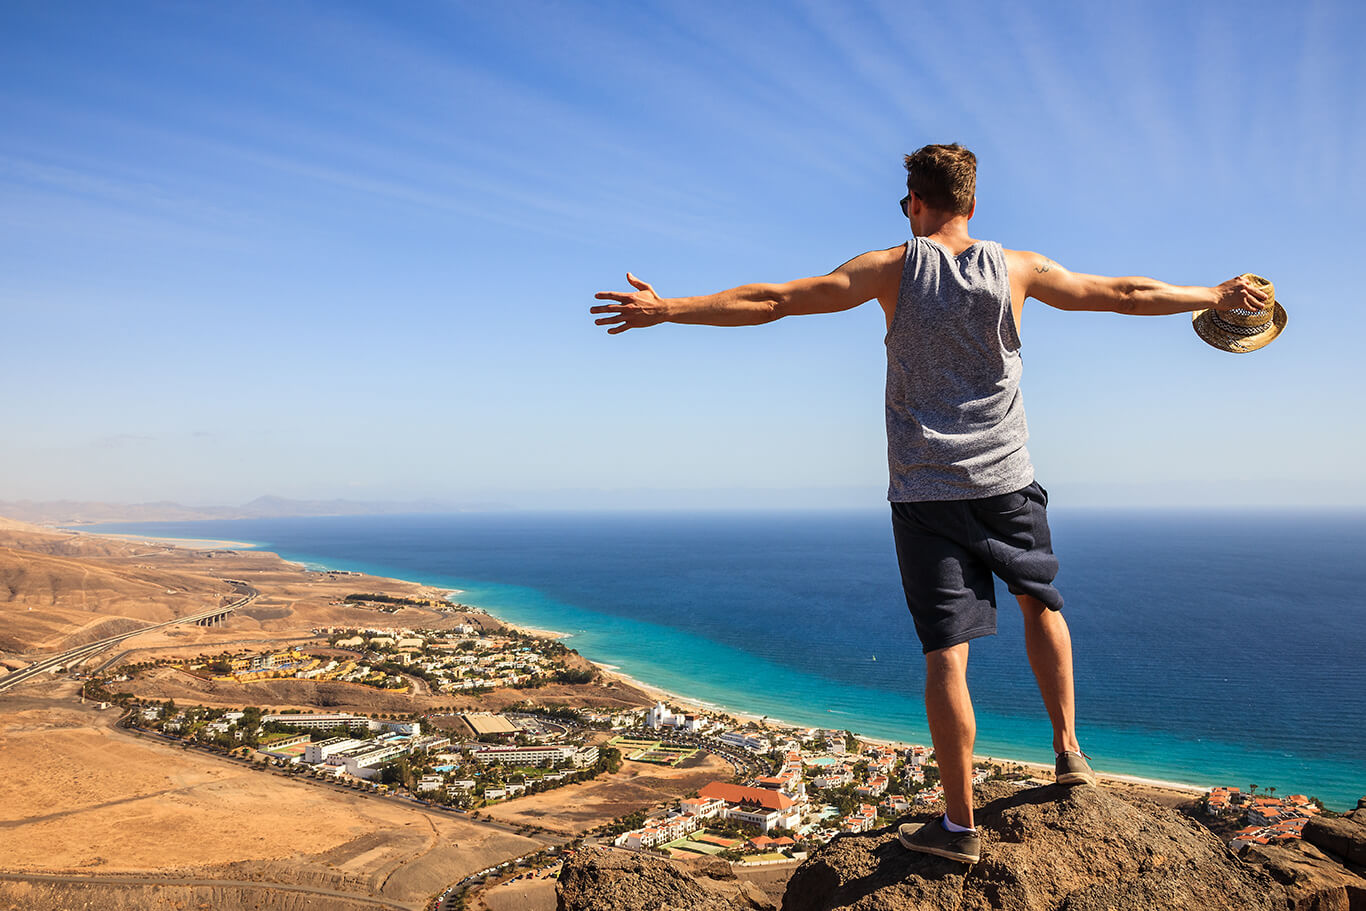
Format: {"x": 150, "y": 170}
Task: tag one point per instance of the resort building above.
{"x": 333, "y": 720}
{"x": 894, "y": 804}
{"x": 542, "y": 755}
{"x": 315, "y": 753}
{"x": 703, "y": 807}
{"x": 757, "y": 806}
{"x": 752, "y": 742}
{"x": 876, "y": 787}
{"x": 834, "y": 777}
{"x": 430, "y": 742}
{"x": 659, "y": 716}
{"x": 320, "y": 722}
{"x": 365, "y": 761}
{"x": 860, "y": 820}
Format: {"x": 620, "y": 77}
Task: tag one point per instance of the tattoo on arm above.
{"x": 1045, "y": 266}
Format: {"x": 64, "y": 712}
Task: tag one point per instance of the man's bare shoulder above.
{"x": 877, "y": 273}
{"x": 892, "y": 257}
{"x": 1027, "y": 261}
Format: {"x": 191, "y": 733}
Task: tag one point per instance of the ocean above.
{"x": 1209, "y": 648}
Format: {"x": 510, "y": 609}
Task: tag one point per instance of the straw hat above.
{"x": 1241, "y": 331}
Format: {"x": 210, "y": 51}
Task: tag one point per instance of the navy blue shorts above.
{"x": 948, "y": 551}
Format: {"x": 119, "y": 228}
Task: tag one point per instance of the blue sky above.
{"x": 321, "y": 250}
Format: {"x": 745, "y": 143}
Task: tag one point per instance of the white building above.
{"x": 315, "y": 753}
{"x": 660, "y": 717}
{"x": 333, "y": 720}
{"x": 703, "y": 807}
{"x": 752, "y": 742}
{"x": 542, "y": 755}
{"x": 366, "y": 761}
{"x": 320, "y": 722}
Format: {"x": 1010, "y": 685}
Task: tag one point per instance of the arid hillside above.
{"x": 60, "y": 590}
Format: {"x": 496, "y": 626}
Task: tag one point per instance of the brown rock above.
{"x": 1312, "y": 880}
{"x": 602, "y": 880}
{"x": 1044, "y": 849}
{"x": 1345, "y": 838}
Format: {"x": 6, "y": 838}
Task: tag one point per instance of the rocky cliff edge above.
{"x": 1044, "y": 849}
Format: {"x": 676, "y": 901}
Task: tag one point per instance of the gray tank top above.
{"x": 955, "y": 416}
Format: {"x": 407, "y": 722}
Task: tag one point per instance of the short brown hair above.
{"x": 944, "y": 176}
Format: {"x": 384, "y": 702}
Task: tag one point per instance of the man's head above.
{"x": 944, "y": 177}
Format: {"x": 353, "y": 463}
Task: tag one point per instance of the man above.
{"x": 965, "y": 504}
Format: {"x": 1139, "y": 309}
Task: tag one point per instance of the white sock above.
{"x": 952, "y": 826}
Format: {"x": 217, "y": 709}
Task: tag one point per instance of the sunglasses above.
{"x": 906, "y": 205}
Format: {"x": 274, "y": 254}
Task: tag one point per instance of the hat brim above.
{"x": 1218, "y": 337}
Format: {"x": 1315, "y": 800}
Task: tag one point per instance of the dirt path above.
{"x": 126, "y": 880}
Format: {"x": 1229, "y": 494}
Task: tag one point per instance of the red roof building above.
{"x": 734, "y": 793}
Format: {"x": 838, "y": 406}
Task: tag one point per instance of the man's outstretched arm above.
{"x": 863, "y": 278}
{"x": 1039, "y": 277}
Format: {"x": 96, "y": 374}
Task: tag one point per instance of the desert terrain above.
{"x": 93, "y": 815}
{"x": 88, "y": 798}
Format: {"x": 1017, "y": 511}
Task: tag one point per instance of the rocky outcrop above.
{"x": 601, "y": 880}
{"x": 1044, "y": 849}
{"x": 1322, "y": 871}
{"x": 1344, "y": 837}
{"x": 1310, "y": 879}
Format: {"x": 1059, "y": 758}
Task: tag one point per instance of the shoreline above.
{"x": 179, "y": 543}
{"x": 679, "y": 701}
{"x": 778, "y": 725}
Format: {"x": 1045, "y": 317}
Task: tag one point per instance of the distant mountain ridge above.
{"x": 74, "y": 512}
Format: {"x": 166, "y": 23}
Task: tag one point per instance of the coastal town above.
{"x": 792, "y": 788}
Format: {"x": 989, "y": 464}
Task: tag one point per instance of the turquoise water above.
{"x": 1187, "y": 668}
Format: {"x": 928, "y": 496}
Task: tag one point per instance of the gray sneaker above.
{"x": 933, "y": 838}
{"x": 1072, "y": 768}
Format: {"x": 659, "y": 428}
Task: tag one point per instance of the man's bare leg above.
{"x": 1049, "y": 646}
{"x": 953, "y": 727}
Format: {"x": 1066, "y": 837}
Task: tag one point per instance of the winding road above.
{"x": 80, "y": 653}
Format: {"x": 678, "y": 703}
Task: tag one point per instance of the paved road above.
{"x": 80, "y": 653}
{"x": 133, "y": 880}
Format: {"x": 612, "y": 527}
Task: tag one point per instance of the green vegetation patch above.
{"x": 632, "y": 743}
{"x": 391, "y": 599}
{"x": 659, "y": 757}
{"x": 693, "y": 847}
